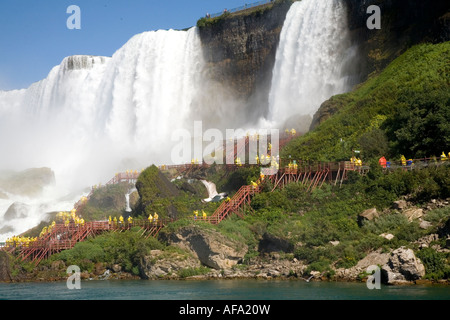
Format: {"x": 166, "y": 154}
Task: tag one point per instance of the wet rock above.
{"x": 17, "y": 210}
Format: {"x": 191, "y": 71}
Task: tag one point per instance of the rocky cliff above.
{"x": 403, "y": 24}
{"x": 240, "y": 52}
{"x": 240, "y": 49}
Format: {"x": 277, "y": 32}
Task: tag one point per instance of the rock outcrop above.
{"x": 376, "y": 258}
{"x": 271, "y": 243}
{"x": 161, "y": 264}
{"x": 403, "y": 266}
{"x": 213, "y": 249}
{"x": 5, "y": 273}
{"x": 29, "y": 183}
{"x": 240, "y": 51}
{"x": 17, "y": 210}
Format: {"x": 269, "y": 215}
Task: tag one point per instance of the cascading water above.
{"x": 312, "y": 60}
{"x": 94, "y": 116}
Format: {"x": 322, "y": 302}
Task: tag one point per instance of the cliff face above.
{"x": 240, "y": 52}
{"x": 404, "y": 23}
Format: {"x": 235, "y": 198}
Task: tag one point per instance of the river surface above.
{"x": 218, "y": 290}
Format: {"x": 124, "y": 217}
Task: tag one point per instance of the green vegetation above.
{"x": 125, "y": 249}
{"x": 403, "y": 110}
{"x": 105, "y": 201}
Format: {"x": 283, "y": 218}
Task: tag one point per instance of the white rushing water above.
{"x": 312, "y": 60}
{"x": 94, "y": 116}
{"x": 98, "y": 112}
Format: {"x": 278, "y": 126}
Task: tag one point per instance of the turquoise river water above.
{"x": 218, "y": 290}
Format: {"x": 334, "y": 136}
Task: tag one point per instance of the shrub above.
{"x": 436, "y": 263}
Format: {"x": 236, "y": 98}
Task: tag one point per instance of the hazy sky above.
{"x": 34, "y": 36}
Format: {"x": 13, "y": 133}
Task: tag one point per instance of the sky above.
{"x": 34, "y": 36}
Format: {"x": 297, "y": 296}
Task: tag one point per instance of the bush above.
{"x": 436, "y": 263}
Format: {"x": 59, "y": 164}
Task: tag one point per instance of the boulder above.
{"x": 375, "y": 258}
{"x": 211, "y": 247}
{"x": 425, "y": 224}
{"x": 399, "y": 204}
{"x": 368, "y": 215}
{"x": 334, "y": 243}
{"x": 29, "y": 183}
{"x": 161, "y": 264}
{"x": 403, "y": 266}
{"x": 413, "y": 213}
{"x": 17, "y": 210}
{"x": 425, "y": 241}
{"x": 388, "y": 236}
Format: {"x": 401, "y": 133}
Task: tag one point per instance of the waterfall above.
{"x": 313, "y": 59}
{"x": 93, "y": 116}
{"x": 127, "y": 199}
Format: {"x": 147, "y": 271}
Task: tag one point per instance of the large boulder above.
{"x": 403, "y": 266}
{"x": 17, "y": 210}
{"x": 367, "y": 215}
{"x": 29, "y": 183}
{"x": 413, "y": 213}
{"x": 161, "y": 264}
{"x": 375, "y": 258}
{"x": 212, "y": 248}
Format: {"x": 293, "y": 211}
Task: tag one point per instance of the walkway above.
{"x": 312, "y": 175}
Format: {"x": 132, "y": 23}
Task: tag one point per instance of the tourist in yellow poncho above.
{"x": 403, "y": 160}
